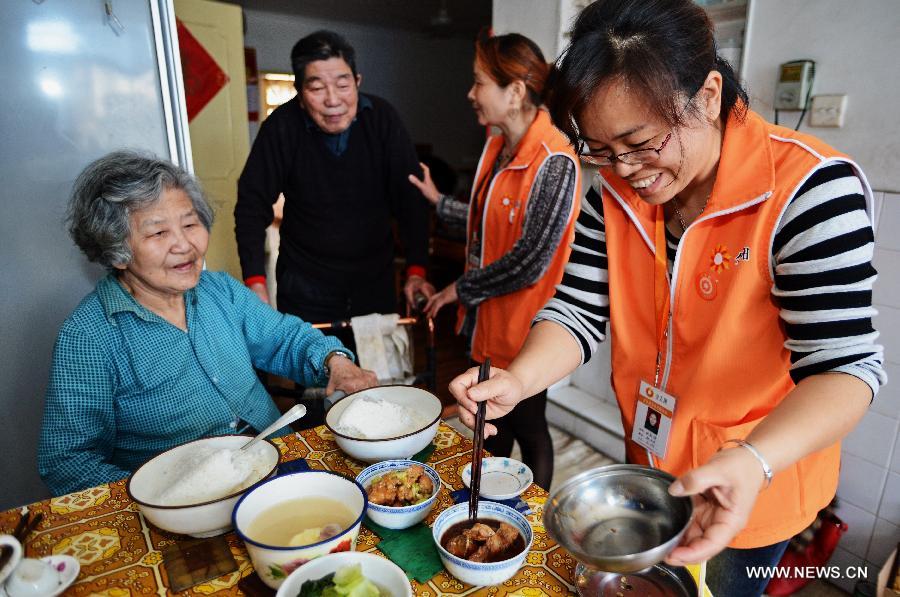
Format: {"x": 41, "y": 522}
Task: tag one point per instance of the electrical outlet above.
{"x": 828, "y": 110}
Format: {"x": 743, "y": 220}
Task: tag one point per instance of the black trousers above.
{"x": 318, "y": 301}
{"x": 526, "y": 424}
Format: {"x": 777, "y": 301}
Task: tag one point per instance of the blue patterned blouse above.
{"x": 126, "y": 385}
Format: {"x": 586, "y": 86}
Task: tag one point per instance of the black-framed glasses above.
{"x": 607, "y": 158}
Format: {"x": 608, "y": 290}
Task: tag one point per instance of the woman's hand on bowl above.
{"x": 347, "y": 377}
{"x": 724, "y": 491}
{"x": 502, "y": 392}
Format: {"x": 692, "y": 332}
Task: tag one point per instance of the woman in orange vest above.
{"x": 521, "y": 218}
{"x": 731, "y": 259}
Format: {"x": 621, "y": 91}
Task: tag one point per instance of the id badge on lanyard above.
{"x": 653, "y": 415}
{"x": 473, "y": 246}
{"x": 654, "y": 407}
{"x": 473, "y": 250}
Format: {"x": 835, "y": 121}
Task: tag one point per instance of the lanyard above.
{"x": 480, "y": 198}
{"x": 478, "y": 207}
{"x": 661, "y": 289}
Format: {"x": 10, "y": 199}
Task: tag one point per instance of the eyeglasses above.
{"x": 605, "y": 158}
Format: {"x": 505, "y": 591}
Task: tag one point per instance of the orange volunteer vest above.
{"x": 724, "y": 358}
{"x": 502, "y": 322}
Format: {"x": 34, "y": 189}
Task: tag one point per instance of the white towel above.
{"x": 382, "y": 346}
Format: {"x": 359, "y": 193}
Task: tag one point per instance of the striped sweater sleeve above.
{"x": 546, "y": 216}
{"x": 452, "y": 210}
{"x": 581, "y": 302}
{"x": 822, "y": 255}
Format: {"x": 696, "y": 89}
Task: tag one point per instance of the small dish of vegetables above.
{"x": 347, "y": 574}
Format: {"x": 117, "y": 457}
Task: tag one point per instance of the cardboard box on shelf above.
{"x": 889, "y": 577}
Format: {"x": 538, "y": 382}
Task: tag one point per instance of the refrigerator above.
{"x": 81, "y": 78}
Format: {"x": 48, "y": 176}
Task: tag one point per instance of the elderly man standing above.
{"x": 341, "y": 159}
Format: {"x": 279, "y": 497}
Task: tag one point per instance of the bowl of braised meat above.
{"x": 400, "y": 492}
{"x": 486, "y": 551}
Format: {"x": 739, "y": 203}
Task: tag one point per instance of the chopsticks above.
{"x": 27, "y": 523}
{"x": 701, "y": 581}
{"x": 20, "y": 526}
{"x": 484, "y": 373}
{"x": 32, "y": 525}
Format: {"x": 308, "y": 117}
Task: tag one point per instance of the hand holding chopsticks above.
{"x": 484, "y": 374}
{"x": 501, "y": 393}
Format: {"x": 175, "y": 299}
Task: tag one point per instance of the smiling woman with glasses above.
{"x": 603, "y": 157}
{"x": 731, "y": 259}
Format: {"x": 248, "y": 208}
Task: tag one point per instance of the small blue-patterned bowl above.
{"x": 398, "y": 517}
{"x": 481, "y": 574}
{"x": 501, "y": 478}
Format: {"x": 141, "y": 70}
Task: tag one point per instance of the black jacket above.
{"x": 338, "y": 208}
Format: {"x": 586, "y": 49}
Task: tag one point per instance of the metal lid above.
{"x": 658, "y": 581}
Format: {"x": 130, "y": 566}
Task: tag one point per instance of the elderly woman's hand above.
{"x": 724, "y": 491}
{"x": 347, "y": 377}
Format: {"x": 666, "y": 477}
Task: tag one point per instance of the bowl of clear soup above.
{"x": 289, "y": 520}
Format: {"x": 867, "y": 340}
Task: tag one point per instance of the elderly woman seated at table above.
{"x": 162, "y": 352}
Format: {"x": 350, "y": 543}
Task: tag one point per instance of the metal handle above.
{"x": 287, "y": 418}
{"x": 332, "y": 398}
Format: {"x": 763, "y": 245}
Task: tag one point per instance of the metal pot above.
{"x": 659, "y": 581}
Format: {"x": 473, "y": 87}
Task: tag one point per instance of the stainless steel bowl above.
{"x": 618, "y": 518}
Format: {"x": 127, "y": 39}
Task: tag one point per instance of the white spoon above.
{"x": 286, "y": 419}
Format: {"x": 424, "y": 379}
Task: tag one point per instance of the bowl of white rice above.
{"x": 384, "y": 423}
{"x": 192, "y": 488}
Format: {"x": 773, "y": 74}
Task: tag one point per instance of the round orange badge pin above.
{"x": 707, "y": 286}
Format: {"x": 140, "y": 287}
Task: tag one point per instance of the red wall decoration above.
{"x": 203, "y": 78}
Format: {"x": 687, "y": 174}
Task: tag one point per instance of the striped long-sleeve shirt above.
{"x": 546, "y": 216}
{"x": 822, "y": 256}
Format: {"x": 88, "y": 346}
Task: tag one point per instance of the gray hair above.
{"x": 110, "y": 189}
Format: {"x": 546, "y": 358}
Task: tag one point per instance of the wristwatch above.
{"x": 333, "y": 353}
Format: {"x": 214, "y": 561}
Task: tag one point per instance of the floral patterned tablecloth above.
{"x": 120, "y": 553}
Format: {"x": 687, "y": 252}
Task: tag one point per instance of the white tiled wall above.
{"x": 869, "y": 491}
{"x": 593, "y": 377}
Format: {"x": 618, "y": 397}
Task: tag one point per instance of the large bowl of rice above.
{"x": 384, "y": 423}
{"x": 192, "y": 488}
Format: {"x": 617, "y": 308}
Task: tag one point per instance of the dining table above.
{"x": 121, "y": 553}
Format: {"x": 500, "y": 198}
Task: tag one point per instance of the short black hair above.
{"x": 321, "y": 45}
{"x": 661, "y": 49}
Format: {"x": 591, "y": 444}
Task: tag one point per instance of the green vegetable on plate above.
{"x": 346, "y": 582}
